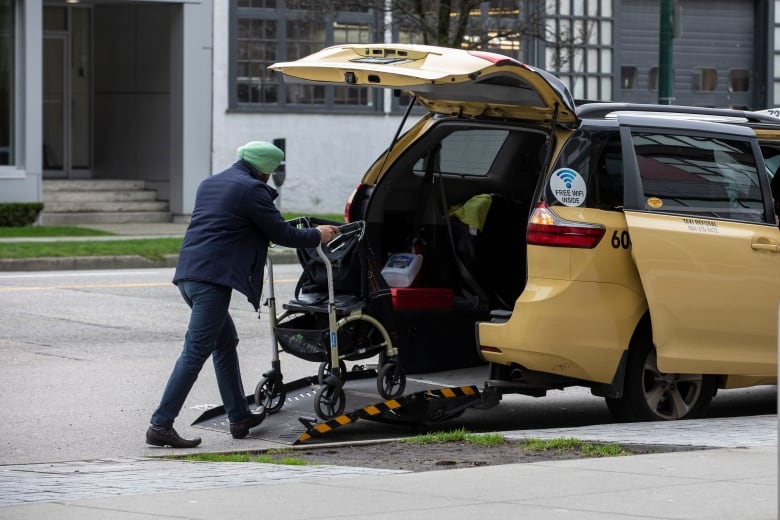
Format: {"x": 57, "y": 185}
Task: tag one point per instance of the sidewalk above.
{"x": 735, "y": 479}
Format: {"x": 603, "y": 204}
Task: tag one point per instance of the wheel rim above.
{"x": 329, "y": 401}
{"x": 276, "y": 396}
{"x": 270, "y": 394}
{"x": 390, "y": 384}
{"x": 669, "y": 396}
{"x": 324, "y": 370}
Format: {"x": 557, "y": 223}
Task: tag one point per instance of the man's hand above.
{"x": 327, "y": 233}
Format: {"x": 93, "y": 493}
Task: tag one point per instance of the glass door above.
{"x": 54, "y": 106}
{"x": 67, "y": 92}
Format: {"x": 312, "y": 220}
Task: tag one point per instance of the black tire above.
{"x": 389, "y": 383}
{"x": 271, "y": 394}
{"x": 324, "y": 370}
{"x": 329, "y": 401}
{"x": 652, "y": 395}
{"x": 619, "y": 409}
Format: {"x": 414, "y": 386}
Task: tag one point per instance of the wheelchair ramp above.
{"x": 428, "y": 399}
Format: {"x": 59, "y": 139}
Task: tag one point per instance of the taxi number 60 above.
{"x": 621, "y": 240}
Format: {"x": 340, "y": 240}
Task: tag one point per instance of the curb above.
{"x": 279, "y": 256}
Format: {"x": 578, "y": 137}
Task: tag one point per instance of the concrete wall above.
{"x": 21, "y": 182}
{"x": 191, "y": 87}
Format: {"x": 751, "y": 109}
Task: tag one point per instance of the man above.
{"x": 225, "y": 248}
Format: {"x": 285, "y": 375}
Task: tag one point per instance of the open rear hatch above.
{"x": 445, "y": 81}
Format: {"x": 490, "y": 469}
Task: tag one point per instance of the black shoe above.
{"x": 168, "y": 437}
{"x": 240, "y": 429}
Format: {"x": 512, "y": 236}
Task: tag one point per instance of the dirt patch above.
{"x": 444, "y": 455}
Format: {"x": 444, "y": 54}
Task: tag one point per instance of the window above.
{"x": 652, "y": 79}
{"x": 598, "y": 159}
{"x": 703, "y": 177}
{"x": 739, "y": 80}
{"x": 578, "y": 46}
{"x": 466, "y": 152}
{"x": 704, "y": 80}
{"x": 628, "y": 77}
{"x": 256, "y": 49}
{"x": 267, "y": 31}
{"x": 6, "y": 82}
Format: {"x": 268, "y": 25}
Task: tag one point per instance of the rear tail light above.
{"x": 348, "y": 206}
{"x": 545, "y": 228}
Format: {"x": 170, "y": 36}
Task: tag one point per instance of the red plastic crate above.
{"x": 422, "y": 298}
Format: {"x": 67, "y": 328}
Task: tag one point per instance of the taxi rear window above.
{"x": 468, "y": 152}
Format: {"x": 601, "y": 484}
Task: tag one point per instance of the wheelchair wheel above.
{"x": 324, "y": 370}
{"x": 329, "y": 401}
{"x": 271, "y": 394}
{"x": 389, "y": 383}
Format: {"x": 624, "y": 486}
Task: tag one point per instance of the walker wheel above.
{"x": 390, "y": 382}
{"x": 324, "y": 370}
{"x": 271, "y": 394}
{"x": 329, "y": 401}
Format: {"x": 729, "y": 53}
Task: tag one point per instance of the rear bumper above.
{"x": 567, "y": 328}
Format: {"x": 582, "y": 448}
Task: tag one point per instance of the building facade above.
{"x": 105, "y": 90}
{"x": 164, "y": 91}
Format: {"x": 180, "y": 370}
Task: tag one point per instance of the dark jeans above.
{"x": 211, "y": 332}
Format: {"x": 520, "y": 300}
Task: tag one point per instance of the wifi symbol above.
{"x": 567, "y": 176}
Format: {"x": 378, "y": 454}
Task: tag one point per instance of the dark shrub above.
{"x": 19, "y": 214}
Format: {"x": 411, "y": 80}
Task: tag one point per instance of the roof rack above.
{"x": 594, "y": 110}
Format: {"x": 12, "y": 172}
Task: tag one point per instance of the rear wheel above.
{"x": 652, "y": 395}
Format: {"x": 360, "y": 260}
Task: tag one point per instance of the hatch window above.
{"x": 466, "y": 152}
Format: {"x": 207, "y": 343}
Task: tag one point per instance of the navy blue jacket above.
{"x": 233, "y": 221}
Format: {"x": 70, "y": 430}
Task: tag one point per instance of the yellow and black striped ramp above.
{"x": 419, "y": 407}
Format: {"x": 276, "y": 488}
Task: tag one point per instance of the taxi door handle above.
{"x": 771, "y": 248}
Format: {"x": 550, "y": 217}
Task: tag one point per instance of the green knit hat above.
{"x": 265, "y": 157}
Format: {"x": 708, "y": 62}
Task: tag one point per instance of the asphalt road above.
{"x": 87, "y": 353}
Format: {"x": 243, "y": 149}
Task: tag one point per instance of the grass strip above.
{"x": 151, "y": 248}
{"x": 561, "y": 445}
{"x": 459, "y": 435}
{"x": 50, "y": 231}
{"x": 280, "y": 456}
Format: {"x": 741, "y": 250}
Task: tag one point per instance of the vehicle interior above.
{"x": 460, "y": 196}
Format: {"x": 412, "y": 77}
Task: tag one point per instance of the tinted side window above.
{"x": 597, "y": 159}
{"x": 701, "y": 176}
{"x": 467, "y": 152}
{"x": 772, "y": 161}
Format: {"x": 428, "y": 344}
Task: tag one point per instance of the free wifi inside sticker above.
{"x": 568, "y": 187}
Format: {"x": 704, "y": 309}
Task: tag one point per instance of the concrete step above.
{"x": 111, "y": 207}
{"x": 50, "y": 196}
{"x": 92, "y": 185}
{"x": 101, "y": 201}
{"x": 85, "y": 219}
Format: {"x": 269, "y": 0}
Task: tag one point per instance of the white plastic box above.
{"x": 401, "y": 269}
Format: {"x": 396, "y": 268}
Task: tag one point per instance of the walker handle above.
{"x": 352, "y": 227}
{"x": 345, "y": 231}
